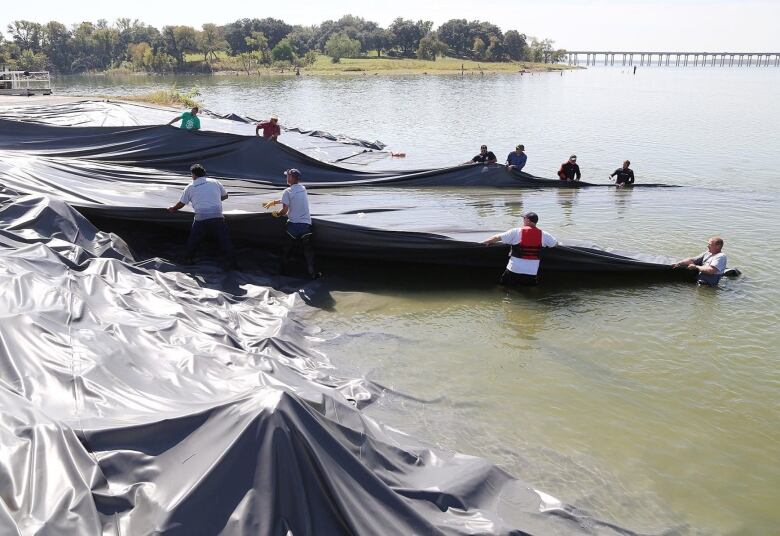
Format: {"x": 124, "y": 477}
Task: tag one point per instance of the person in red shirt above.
{"x": 271, "y": 129}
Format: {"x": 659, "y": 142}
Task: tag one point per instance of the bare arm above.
{"x": 177, "y": 206}
{"x": 492, "y": 240}
{"x": 172, "y": 121}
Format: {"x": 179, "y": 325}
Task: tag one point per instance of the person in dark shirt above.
{"x": 484, "y": 157}
{"x": 625, "y": 176}
{"x": 517, "y": 159}
{"x": 271, "y": 129}
{"x": 570, "y": 171}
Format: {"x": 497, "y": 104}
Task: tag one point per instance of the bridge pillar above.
{"x": 695, "y": 60}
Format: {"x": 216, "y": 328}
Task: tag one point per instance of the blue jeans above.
{"x": 215, "y": 228}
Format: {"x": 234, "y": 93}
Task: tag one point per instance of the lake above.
{"x": 654, "y": 405}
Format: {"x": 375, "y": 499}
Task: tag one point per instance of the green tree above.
{"x": 211, "y": 41}
{"x": 178, "y": 41}
{"x": 26, "y": 34}
{"x": 283, "y": 51}
{"x": 56, "y": 44}
{"x": 455, "y": 33}
{"x": 407, "y": 34}
{"x": 258, "y": 44}
{"x": 377, "y": 39}
{"x": 140, "y": 55}
{"x": 478, "y": 48}
{"x": 341, "y": 46}
{"x": 301, "y": 39}
{"x": 515, "y": 45}
{"x": 430, "y": 47}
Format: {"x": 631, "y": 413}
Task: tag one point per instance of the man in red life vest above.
{"x": 271, "y": 129}
{"x": 526, "y": 242}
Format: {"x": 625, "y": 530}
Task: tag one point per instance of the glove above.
{"x": 276, "y": 213}
{"x": 269, "y": 204}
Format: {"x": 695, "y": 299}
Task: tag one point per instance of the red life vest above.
{"x": 530, "y": 244}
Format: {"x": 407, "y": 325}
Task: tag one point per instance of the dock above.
{"x": 676, "y": 59}
{"x": 25, "y": 83}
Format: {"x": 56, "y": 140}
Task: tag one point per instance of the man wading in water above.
{"x": 295, "y": 205}
{"x": 527, "y": 241}
{"x": 710, "y": 265}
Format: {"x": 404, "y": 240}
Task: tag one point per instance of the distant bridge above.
{"x": 677, "y": 59}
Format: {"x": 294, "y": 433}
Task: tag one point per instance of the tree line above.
{"x": 250, "y": 43}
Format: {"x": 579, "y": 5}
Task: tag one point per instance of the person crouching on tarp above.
{"x": 526, "y": 241}
{"x": 295, "y": 205}
{"x": 206, "y": 196}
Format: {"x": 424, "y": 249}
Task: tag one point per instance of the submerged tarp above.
{"x": 227, "y": 151}
{"x": 137, "y": 401}
{"x": 353, "y": 225}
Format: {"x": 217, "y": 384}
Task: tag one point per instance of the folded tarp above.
{"x": 136, "y": 401}
{"x": 352, "y": 225}
{"x": 232, "y": 153}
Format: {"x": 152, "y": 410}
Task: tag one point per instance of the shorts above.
{"x": 511, "y": 279}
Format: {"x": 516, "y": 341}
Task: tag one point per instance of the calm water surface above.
{"x": 652, "y": 405}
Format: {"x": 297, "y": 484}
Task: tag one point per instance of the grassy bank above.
{"x": 167, "y": 97}
{"x": 373, "y": 65}
{"x": 324, "y": 65}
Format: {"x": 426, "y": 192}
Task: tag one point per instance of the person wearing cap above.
{"x": 189, "y": 120}
{"x": 625, "y": 175}
{"x": 527, "y": 242}
{"x": 710, "y": 265}
{"x": 206, "y": 197}
{"x": 517, "y": 159}
{"x": 484, "y": 157}
{"x": 570, "y": 171}
{"x": 271, "y": 129}
{"x": 295, "y": 205}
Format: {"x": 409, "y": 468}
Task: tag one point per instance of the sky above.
{"x": 659, "y": 25}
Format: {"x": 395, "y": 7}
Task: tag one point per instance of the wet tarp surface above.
{"x": 354, "y": 225}
{"x": 228, "y": 151}
{"x": 140, "y": 400}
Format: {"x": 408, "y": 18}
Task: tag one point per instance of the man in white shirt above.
{"x": 526, "y": 241}
{"x": 205, "y": 196}
{"x": 295, "y": 205}
{"x": 710, "y": 265}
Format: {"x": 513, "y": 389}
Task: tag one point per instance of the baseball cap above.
{"x": 531, "y": 216}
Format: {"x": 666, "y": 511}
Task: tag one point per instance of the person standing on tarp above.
{"x": 295, "y": 205}
{"x": 570, "y": 171}
{"x": 710, "y": 265}
{"x": 271, "y": 129}
{"x": 517, "y": 159}
{"x": 625, "y": 175}
{"x": 527, "y": 242}
{"x": 205, "y": 196}
{"x": 484, "y": 157}
{"x": 189, "y": 120}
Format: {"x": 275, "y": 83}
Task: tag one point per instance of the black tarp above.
{"x": 351, "y": 225}
{"x": 227, "y": 151}
{"x": 137, "y": 401}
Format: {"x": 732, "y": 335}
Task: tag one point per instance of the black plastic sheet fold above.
{"x": 137, "y": 401}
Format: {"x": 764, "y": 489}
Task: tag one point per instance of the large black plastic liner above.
{"x": 138, "y": 401}
{"x": 228, "y": 151}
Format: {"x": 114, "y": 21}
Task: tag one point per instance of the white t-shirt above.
{"x": 708, "y": 259}
{"x": 205, "y": 195}
{"x": 525, "y": 266}
{"x": 297, "y": 201}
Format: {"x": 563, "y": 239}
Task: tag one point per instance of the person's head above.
{"x": 197, "y": 171}
{"x": 293, "y": 176}
{"x": 715, "y": 244}
{"x": 520, "y": 148}
{"x": 483, "y": 149}
{"x": 274, "y": 119}
{"x": 573, "y": 159}
{"x": 530, "y": 219}
{"x": 194, "y": 110}
{"x": 626, "y": 164}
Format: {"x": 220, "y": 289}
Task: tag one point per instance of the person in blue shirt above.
{"x": 517, "y": 159}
